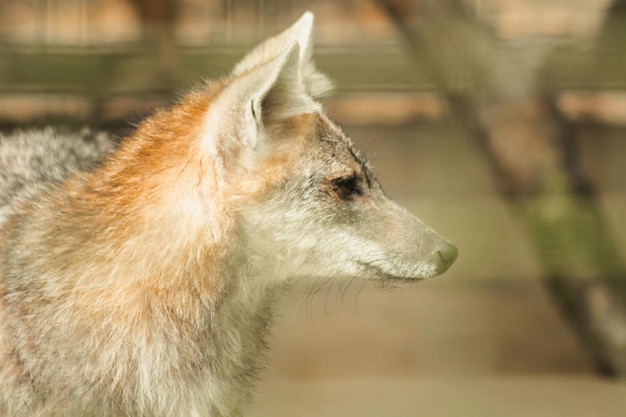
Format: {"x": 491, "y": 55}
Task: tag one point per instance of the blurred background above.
{"x": 501, "y": 123}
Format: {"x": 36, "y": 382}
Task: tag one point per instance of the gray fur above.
{"x": 32, "y": 159}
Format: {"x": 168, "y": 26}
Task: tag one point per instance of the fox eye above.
{"x": 347, "y": 187}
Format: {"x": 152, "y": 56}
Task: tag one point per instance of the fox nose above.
{"x": 447, "y": 253}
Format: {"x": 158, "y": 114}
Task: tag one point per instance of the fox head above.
{"x": 307, "y": 203}
{"x": 272, "y": 178}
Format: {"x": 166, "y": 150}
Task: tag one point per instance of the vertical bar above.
{"x": 49, "y": 22}
{"x": 260, "y": 18}
{"x": 229, "y": 17}
{"x": 83, "y": 23}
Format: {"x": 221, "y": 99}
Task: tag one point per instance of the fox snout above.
{"x": 428, "y": 255}
{"x": 434, "y": 253}
{"x": 406, "y": 248}
{"x": 447, "y": 253}
{"x": 380, "y": 241}
{"x": 444, "y": 254}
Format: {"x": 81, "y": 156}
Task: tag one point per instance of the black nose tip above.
{"x": 448, "y": 253}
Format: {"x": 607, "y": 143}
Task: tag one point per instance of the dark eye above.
{"x": 347, "y": 187}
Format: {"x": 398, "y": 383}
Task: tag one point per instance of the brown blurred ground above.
{"x": 441, "y": 397}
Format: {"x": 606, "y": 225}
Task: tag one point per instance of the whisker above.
{"x": 356, "y": 298}
{"x": 303, "y": 304}
{"x": 345, "y": 290}
{"x": 330, "y": 287}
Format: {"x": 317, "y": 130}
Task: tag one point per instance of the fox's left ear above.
{"x": 239, "y": 120}
{"x": 313, "y": 82}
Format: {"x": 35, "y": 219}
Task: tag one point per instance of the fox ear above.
{"x": 254, "y": 101}
{"x": 315, "y": 83}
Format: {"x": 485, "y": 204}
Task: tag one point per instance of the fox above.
{"x": 138, "y": 277}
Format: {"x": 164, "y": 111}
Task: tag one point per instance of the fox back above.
{"x": 138, "y": 280}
